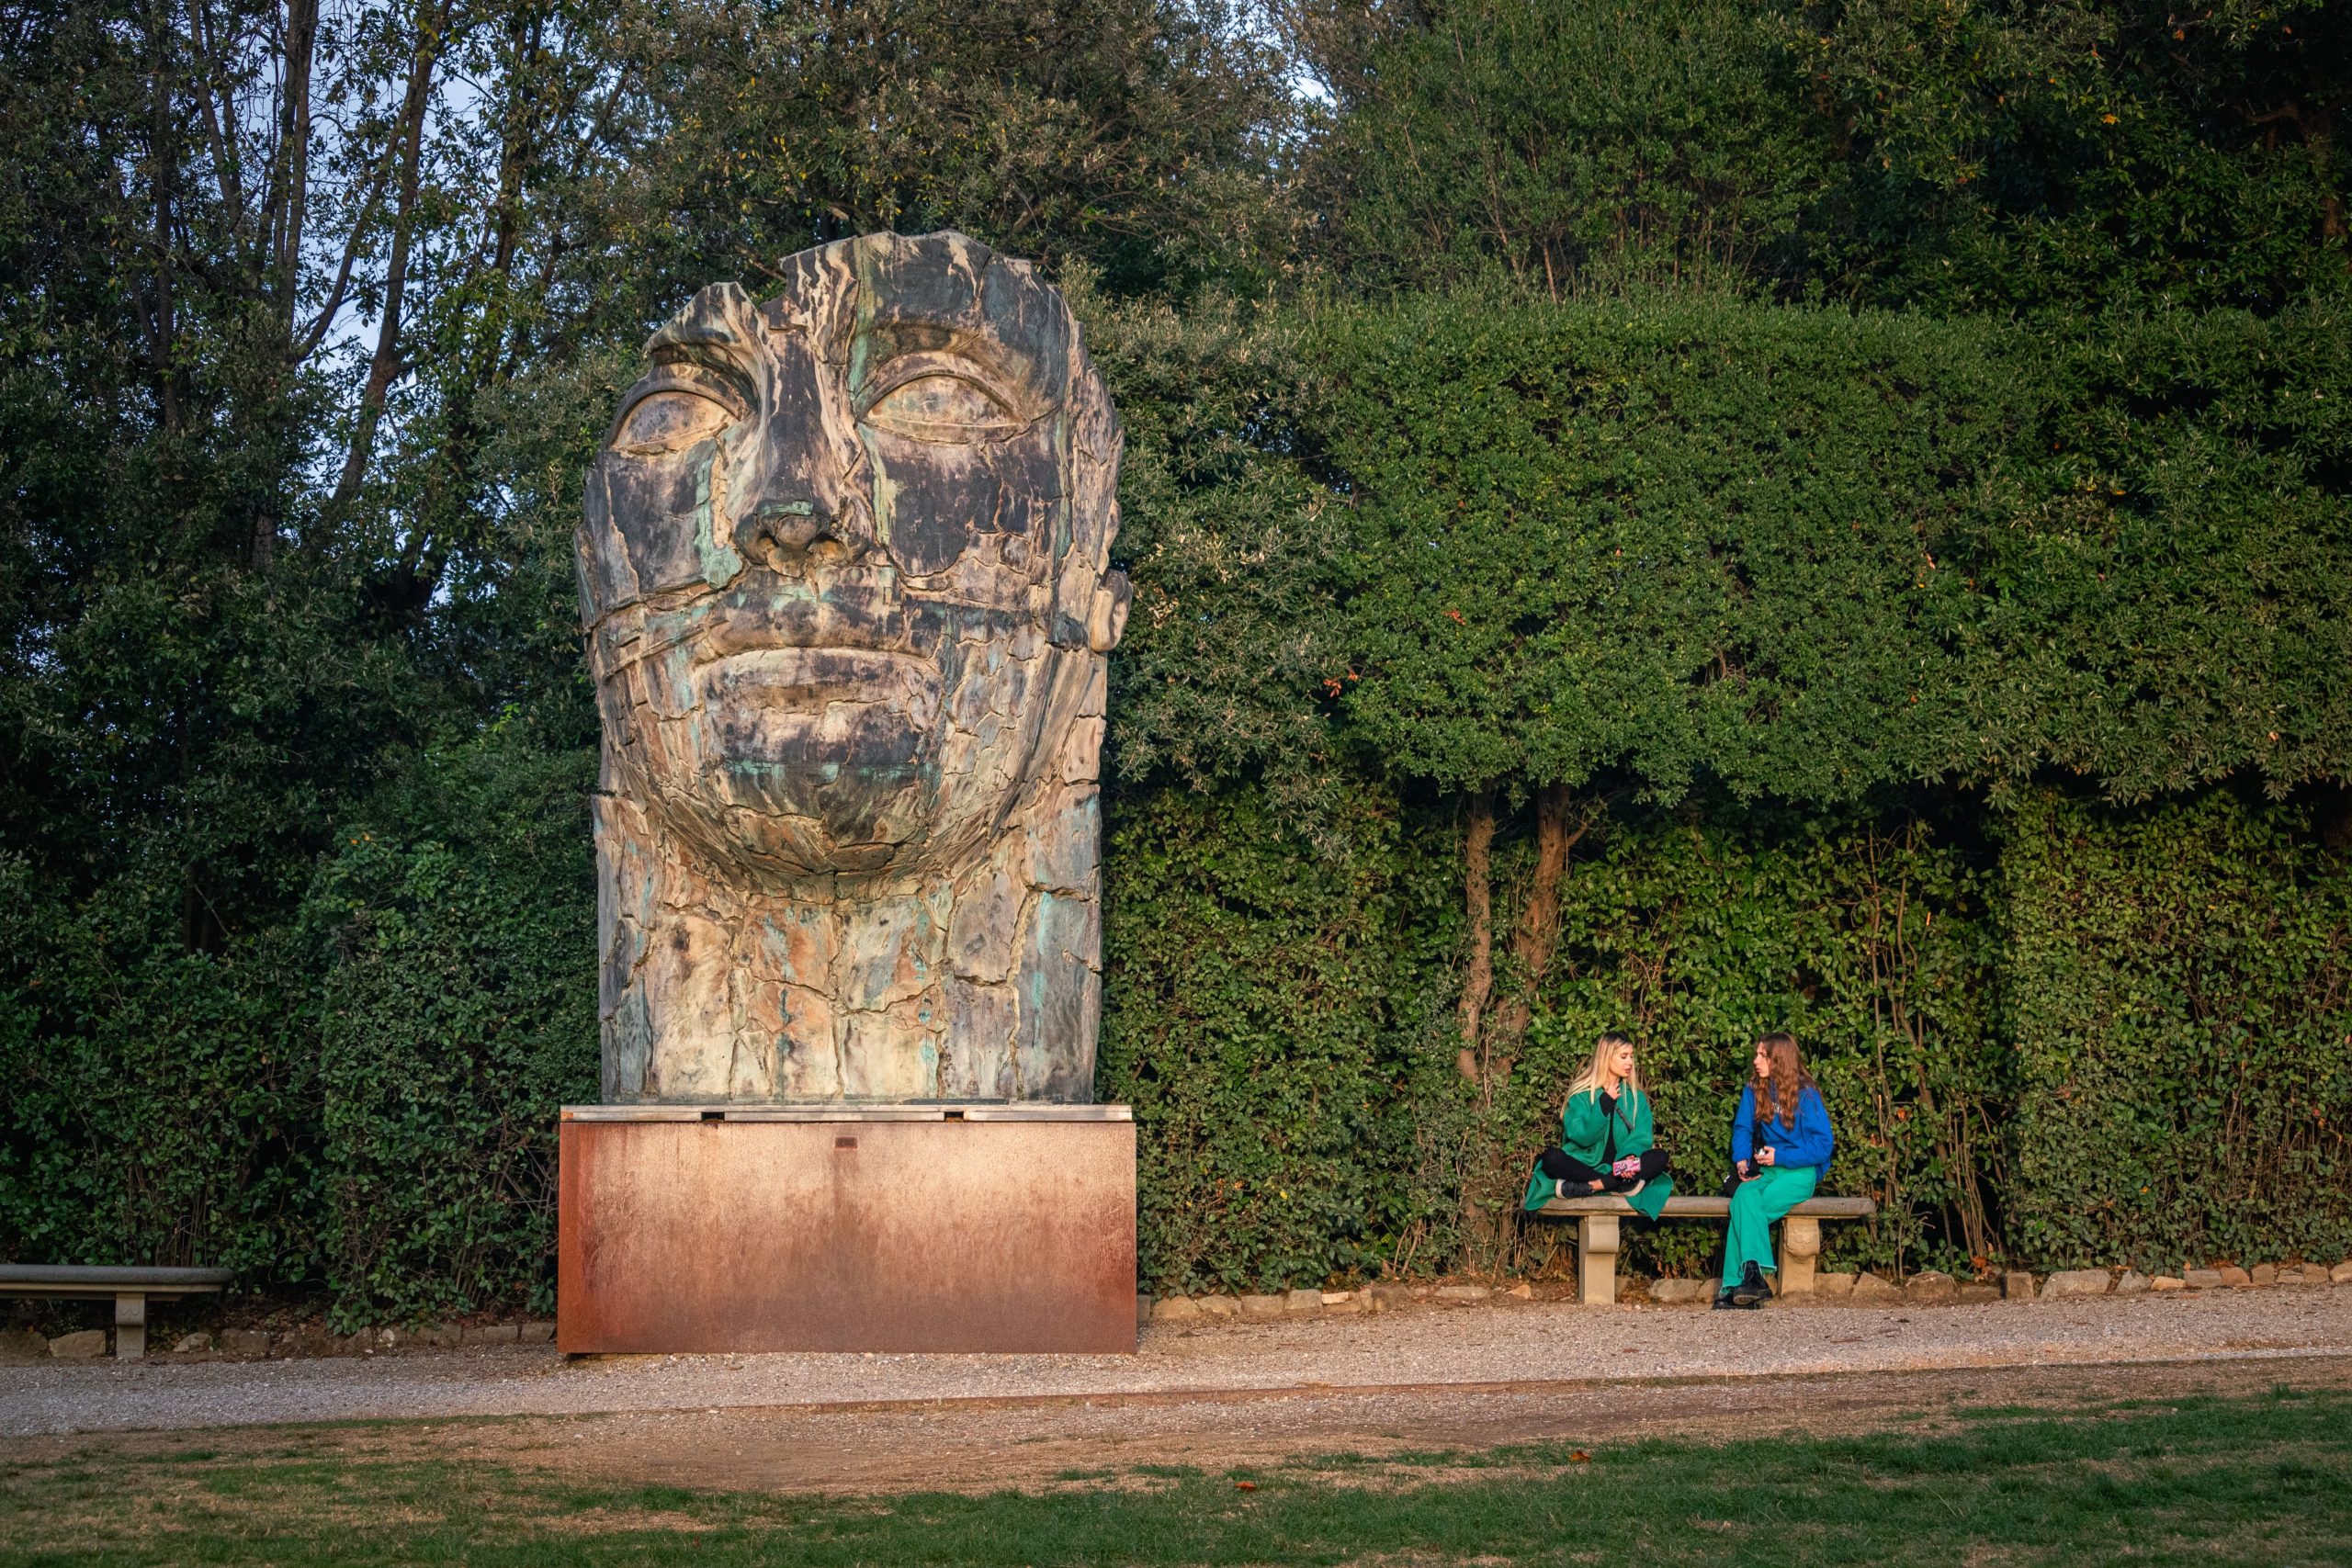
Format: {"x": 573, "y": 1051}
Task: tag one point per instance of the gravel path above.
{"x": 1525, "y": 1345}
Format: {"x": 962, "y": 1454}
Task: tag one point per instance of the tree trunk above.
{"x": 1536, "y": 935}
{"x": 385, "y": 366}
{"x": 1478, "y": 985}
{"x": 1478, "y": 979}
{"x": 162, "y": 324}
{"x": 450, "y": 479}
{"x": 291, "y": 189}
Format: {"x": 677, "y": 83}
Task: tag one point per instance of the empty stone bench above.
{"x": 1597, "y": 1216}
{"x": 129, "y": 1287}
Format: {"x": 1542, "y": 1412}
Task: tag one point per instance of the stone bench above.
{"x": 1597, "y": 1215}
{"x": 130, "y": 1288}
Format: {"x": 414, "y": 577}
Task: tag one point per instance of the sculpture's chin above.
{"x": 763, "y": 849}
{"x": 799, "y": 804}
{"x": 780, "y": 800}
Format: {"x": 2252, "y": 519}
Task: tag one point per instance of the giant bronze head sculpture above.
{"x": 845, "y": 571}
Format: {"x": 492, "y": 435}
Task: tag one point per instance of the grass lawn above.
{"x": 2260, "y": 1479}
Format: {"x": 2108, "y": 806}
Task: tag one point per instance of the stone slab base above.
{"x": 687, "y": 1229}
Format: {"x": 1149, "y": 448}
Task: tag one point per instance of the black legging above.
{"x": 1567, "y": 1169}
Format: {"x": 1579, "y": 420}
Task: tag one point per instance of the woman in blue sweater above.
{"x": 1781, "y": 1144}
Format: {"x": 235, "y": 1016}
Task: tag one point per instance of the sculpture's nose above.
{"x": 786, "y": 536}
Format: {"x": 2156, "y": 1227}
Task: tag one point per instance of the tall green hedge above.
{"x": 1811, "y": 553}
{"x": 458, "y": 1013}
{"x": 2177, "y": 987}
{"x": 2014, "y": 1038}
{"x": 1265, "y": 1008}
{"x": 158, "y": 1101}
{"x": 361, "y": 1109}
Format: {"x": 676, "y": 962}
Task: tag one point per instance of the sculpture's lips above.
{"x": 811, "y": 677}
{"x": 760, "y": 622}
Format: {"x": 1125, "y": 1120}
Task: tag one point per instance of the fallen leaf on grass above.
{"x": 1579, "y": 1457}
{"x": 1245, "y": 1487}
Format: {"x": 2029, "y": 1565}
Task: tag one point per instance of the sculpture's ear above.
{"x": 1091, "y": 599}
{"x": 1106, "y": 621}
{"x": 584, "y": 570}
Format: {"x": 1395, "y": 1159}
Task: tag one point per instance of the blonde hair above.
{"x": 1595, "y": 1070}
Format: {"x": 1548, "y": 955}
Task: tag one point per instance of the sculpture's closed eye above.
{"x": 669, "y": 420}
{"x": 941, "y": 408}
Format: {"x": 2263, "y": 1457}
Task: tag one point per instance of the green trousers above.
{"x": 1754, "y": 1206}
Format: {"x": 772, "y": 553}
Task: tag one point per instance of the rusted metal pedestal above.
{"x": 905, "y": 1227}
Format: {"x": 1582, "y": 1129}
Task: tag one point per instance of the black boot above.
{"x": 1751, "y": 1291}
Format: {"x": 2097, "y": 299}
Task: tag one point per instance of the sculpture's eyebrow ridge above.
{"x": 718, "y": 330}
{"x": 980, "y": 343}
{"x": 684, "y": 331}
{"x": 720, "y": 318}
{"x": 715, "y": 361}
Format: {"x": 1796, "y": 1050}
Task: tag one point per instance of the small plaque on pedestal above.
{"x": 979, "y": 1228}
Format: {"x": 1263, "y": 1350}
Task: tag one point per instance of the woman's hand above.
{"x": 1764, "y": 1155}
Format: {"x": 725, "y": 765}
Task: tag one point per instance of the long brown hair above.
{"x": 1788, "y": 1067}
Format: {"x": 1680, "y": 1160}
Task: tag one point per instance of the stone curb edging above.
{"x": 1927, "y": 1288}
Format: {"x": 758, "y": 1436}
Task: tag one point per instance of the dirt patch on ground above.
{"x": 1368, "y": 1436}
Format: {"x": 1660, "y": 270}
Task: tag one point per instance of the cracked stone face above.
{"x": 845, "y": 573}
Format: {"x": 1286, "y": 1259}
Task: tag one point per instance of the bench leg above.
{"x": 1800, "y": 1245}
{"x": 1597, "y": 1259}
{"x": 130, "y": 1327}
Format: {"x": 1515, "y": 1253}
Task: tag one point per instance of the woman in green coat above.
{"x": 1605, "y": 1140}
